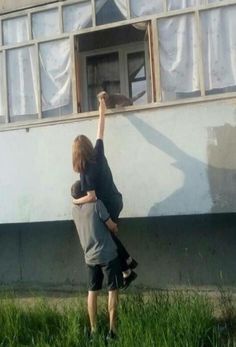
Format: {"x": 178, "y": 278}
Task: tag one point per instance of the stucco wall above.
{"x": 171, "y": 161}
{"x": 14, "y": 5}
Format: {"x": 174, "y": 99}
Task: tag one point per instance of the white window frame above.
{"x": 153, "y": 45}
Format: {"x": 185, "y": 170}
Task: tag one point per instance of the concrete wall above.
{"x": 170, "y": 161}
{"x": 14, "y": 5}
{"x": 181, "y": 251}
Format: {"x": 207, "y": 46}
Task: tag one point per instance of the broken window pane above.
{"x": 15, "y": 30}
{"x": 45, "y": 23}
{"x": 77, "y": 16}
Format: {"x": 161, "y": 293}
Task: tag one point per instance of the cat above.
{"x": 117, "y": 100}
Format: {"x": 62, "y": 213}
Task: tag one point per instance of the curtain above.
{"x": 219, "y": 47}
{"x": 144, "y": 7}
{"x": 21, "y": 78}
{"x": 122, "y": 6}
{"x": 77, "y": 16}
{"x": 55, "y": 74}
{"x": 45, "y": 23}
{"x": 1, "y": 88}
{"x": 15, "y": 30}
{"x": 179, "y": 4}
{"x": 178, "y": 55}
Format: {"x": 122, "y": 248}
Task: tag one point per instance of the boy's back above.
{"x": 95, "y": 238}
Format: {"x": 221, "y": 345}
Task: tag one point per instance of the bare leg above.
{"x": 92, "y": 309}
{"x": 112, "y": 308}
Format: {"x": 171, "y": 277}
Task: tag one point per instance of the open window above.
{"x": 116, "y": 61}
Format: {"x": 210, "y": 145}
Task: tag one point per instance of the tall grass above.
{"x": 155, "y": 320}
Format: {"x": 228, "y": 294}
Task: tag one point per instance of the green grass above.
{"x": 154, "y": 320}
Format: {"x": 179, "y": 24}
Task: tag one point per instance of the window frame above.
{"x": 156, "y": 101}
{"x": 123, "y": 51}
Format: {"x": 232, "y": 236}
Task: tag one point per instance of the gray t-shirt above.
{"x": 95, "y": 238}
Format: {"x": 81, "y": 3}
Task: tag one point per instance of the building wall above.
{"x": 176, "y": 168}
{"x": 168, "y": 161}
{"x": 13, "y": 5}
{"x": 180, "y": 251}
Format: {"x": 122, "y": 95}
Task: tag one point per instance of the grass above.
{"x": 154, "y": 320}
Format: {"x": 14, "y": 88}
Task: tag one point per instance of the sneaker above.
{"x": 133, "y": 264}
{"x": 129, "y": 279}
{"x": 111, "y": 336}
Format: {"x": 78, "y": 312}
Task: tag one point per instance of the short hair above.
{"x": 76, "y": 191}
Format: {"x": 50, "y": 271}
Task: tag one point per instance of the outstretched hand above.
{"x": 102, "y": 106}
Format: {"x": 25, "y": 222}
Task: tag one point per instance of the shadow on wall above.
{"x": 221, "y": 181}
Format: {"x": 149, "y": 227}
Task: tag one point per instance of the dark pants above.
{"x": 114, "y": 208}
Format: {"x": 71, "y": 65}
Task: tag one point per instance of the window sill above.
{"x": 86, "y": 115}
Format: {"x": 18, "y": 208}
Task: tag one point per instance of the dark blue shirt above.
{"x": 97, "y": 176}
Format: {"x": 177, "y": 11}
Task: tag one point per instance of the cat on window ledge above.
{"x": 118, "y": 100}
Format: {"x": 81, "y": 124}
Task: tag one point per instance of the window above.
{"x": 77, "y": 16}
{"x": 181, "y": 4}
{"x": 21, "y": 82}
{"x": 178, "y": 57}
{"x": 143, "y": 7}
{"x": 219, "y": 47}
{"x": 15, "y": 30}
{"x": 110, "y": 11}
{"x": 55, "y": 59}
{"x": 45, "y": 23}
{"x": 115, "y": 61}
{"x": 2, "y": 111}
{"x": 55, "y": 76}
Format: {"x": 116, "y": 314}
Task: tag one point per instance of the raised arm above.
{"x": 101, "y": 119}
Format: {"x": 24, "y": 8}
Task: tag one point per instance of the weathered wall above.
{"x": 186, "y": 251}
{"x": 14, "y": 5}
{"x": 170, "y": 161}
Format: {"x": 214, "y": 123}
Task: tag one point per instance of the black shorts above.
{"x": 111, "y": 271}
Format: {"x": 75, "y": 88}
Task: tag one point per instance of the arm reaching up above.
{"x": 101, "y": 119}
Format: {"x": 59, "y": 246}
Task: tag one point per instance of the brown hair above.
{"x": 82, "y": 152}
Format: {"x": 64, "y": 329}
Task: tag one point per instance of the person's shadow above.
{"x": 209, "y": 184}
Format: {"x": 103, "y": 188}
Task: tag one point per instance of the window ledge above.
{"x": 86, "y": 115}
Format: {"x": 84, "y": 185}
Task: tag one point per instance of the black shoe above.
{"x": 133, "y": 264}
{"x": 129, "y": 279}
{"x": 111, "y": 336}
{"x": 92, "y": 336}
